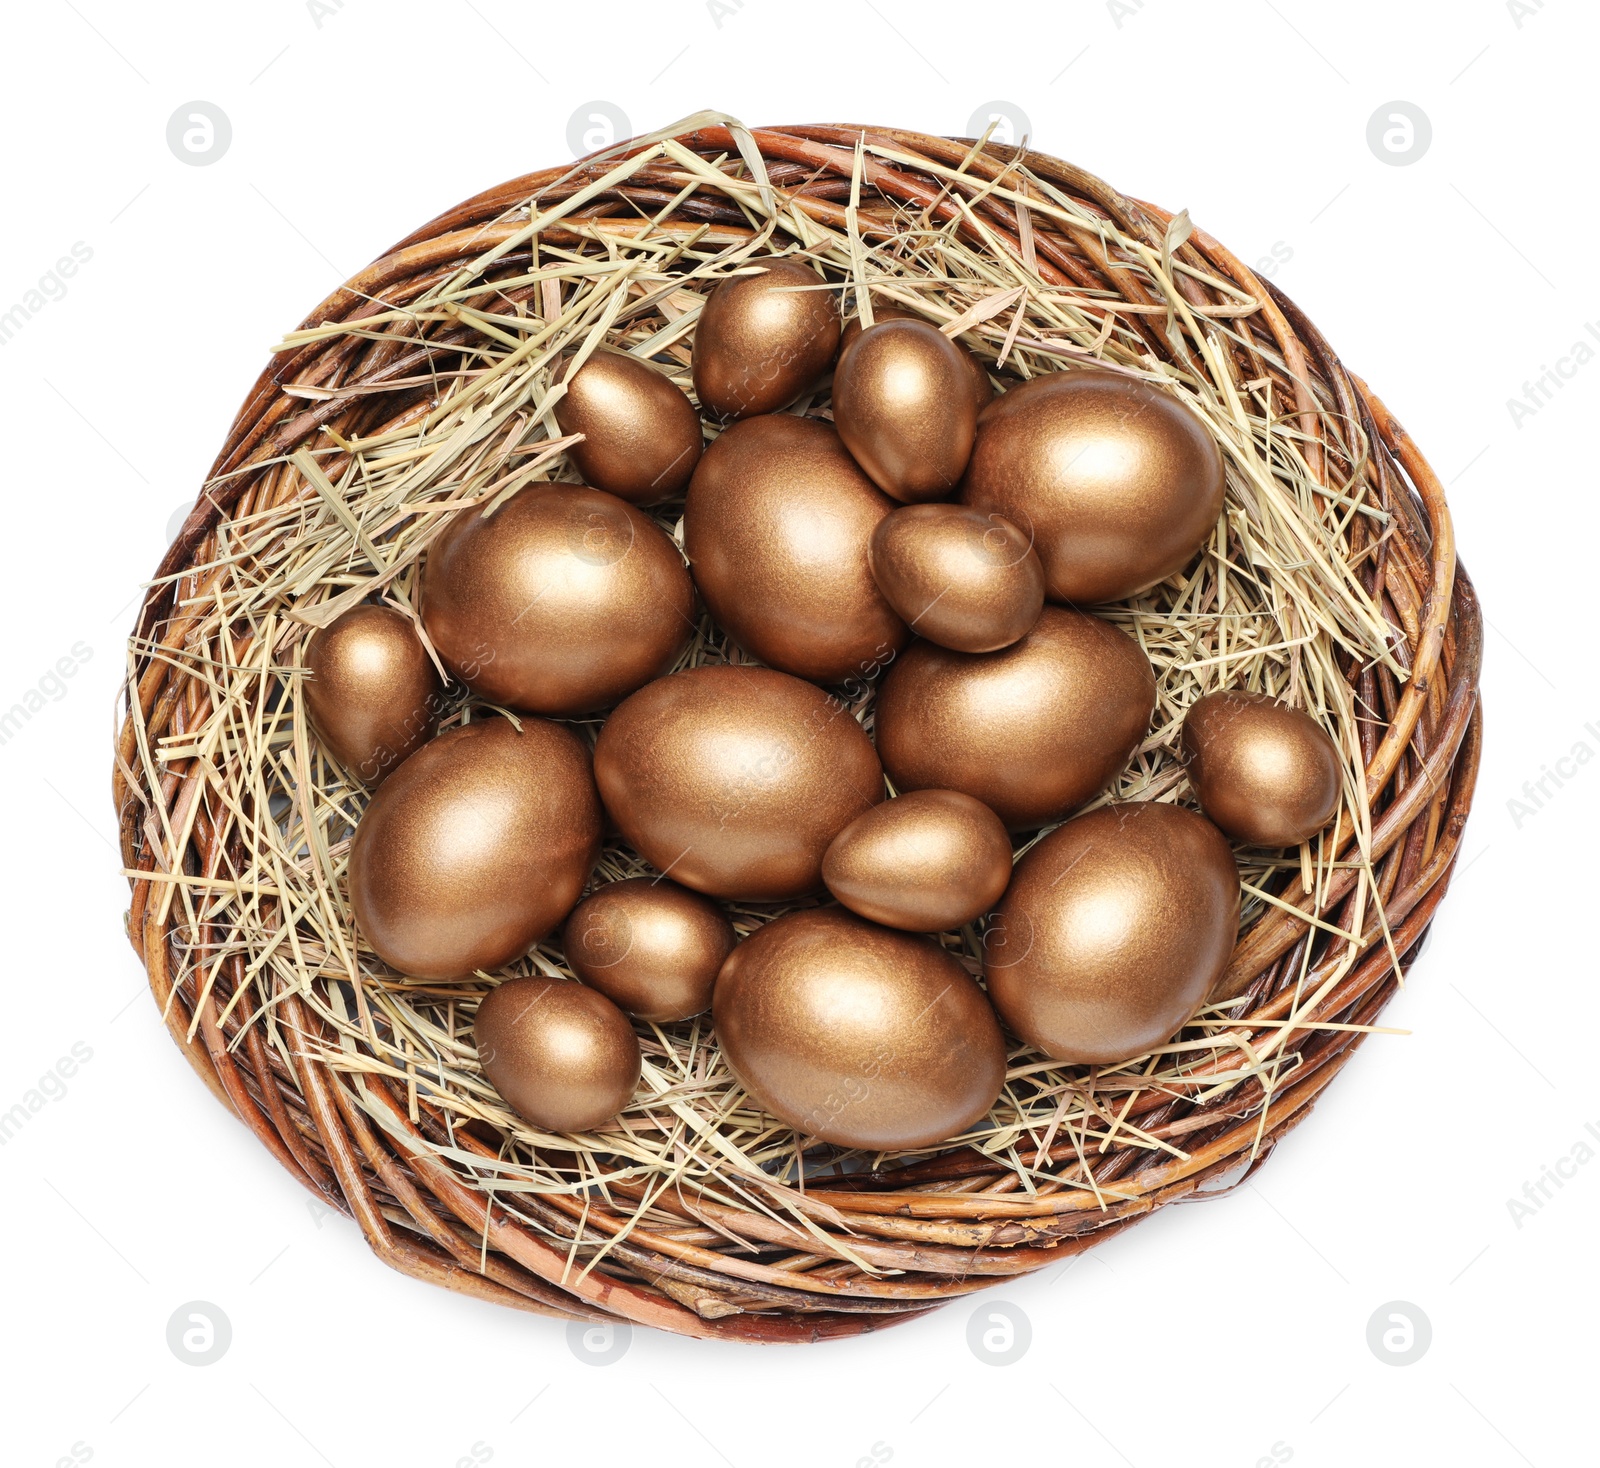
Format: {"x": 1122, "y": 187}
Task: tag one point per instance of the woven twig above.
{"x": 424, "y": 387}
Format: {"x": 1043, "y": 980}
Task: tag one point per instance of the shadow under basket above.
{"x": 421, "y": 383}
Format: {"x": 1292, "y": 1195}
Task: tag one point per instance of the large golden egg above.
{"x": 902, "y": 402}
{"x": 776, "y": 528}
{"x": 856, "y": 1034}
{"x": 733, "y": 780}
{"x": 650, "y": 946}
{"x": 641, "y": 433}
{"x": 926, "y": 861}
{"x": 1118, "y": 483}
{"x": 370, "y": 690}
{"x": 977, "y": 374}
{"x": 561, "y": 1056}
{"x": 563, "y": 601}
{"x": 1032, "y": 730}
{"x": 959, "y": 577}
{"x": 763, "y": 339}
{"x": 1266, "y": 773}
{"x": 1112, "y": 932}
{"x": 475, "y": 848}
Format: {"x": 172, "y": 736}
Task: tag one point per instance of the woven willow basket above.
{"x": 422, "y": 386}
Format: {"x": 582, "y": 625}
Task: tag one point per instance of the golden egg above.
{"x": 475, "y": 848}
{"x": 563, "y": 601}
{"x": 1118, "y": 483}
{"x": 763, "y": 339}
{"x": 371, "y": 691}
{"x": 927, "y": 861}
{"x": 733, "y": 780}
{"x": 1032, "y": 730}
{"x": 1112, "y": 932}
{"x": 561, "y": 1056}
{"x": 1266, "y": 773}
{"x": 649, "y": 946}
{"x": 641, "y": 433}
{"x": 776, "y": 528}
{"x": 902, "y": 403}
{"x": 977, "y": 374}
{"x": 856, "y": 1034}
{"x": 959, "y": 577}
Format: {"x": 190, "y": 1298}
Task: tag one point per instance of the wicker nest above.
{"x": 424, "y": 387}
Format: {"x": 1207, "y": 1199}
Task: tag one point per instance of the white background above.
{"x": 1222, "y": 1333}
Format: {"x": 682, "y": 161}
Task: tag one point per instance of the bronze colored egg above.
{"x": 371, "y": 691}
{"x": 1112, "y": 932}
{"x": 927, "y": 861}
{"x": 733, "y": 780}
{"x": 1118, "y": 483}
{"x": 776, "y": 528}
{"x": 649, "y": 946}
{"x": 977, "y": 373}
{"x": 762, "y": 340}
{"x": 1032, "y": 730}
{"x": 1266, "y": 773}
{"x": 475, "y": 848}
{"x": 561, "y": 1056}
{"x": 902, "y": 404}
{"x": 563, "y": 601}
{"x": 856, "y": 1034}
{"x": 963, "y": 579}
{"x": 642, "y": 434}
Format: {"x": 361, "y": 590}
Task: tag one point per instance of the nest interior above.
{"x": 424, "y": 388}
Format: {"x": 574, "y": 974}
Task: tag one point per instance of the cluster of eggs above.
{"x": 933, "y": 538}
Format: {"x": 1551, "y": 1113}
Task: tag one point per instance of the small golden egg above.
{"x": 1266, "y": 773}
{"x": 475, "y": 848}
{"x": 649, "y": 946}
{"x": 763, "y": 339}
{"x": 857, "y": 1034}
{"x": 562, "y": 602}
{"x": 1116, "y": 481}
{"x": 961, "y": 578}
{"x": 1112, "y": 932}
{"x": 776, "y": 528}
{"x": 733, "y": 780}
{"x": 977, "y": 373}
{"x": 902, "y": 404}
{"x": 642, "y": 435}
{"x": 1032, "y": 730}
{"x": 372, "y": 693}
{"x": 562, "y": 1056}
{"x": 927, "y": 861}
